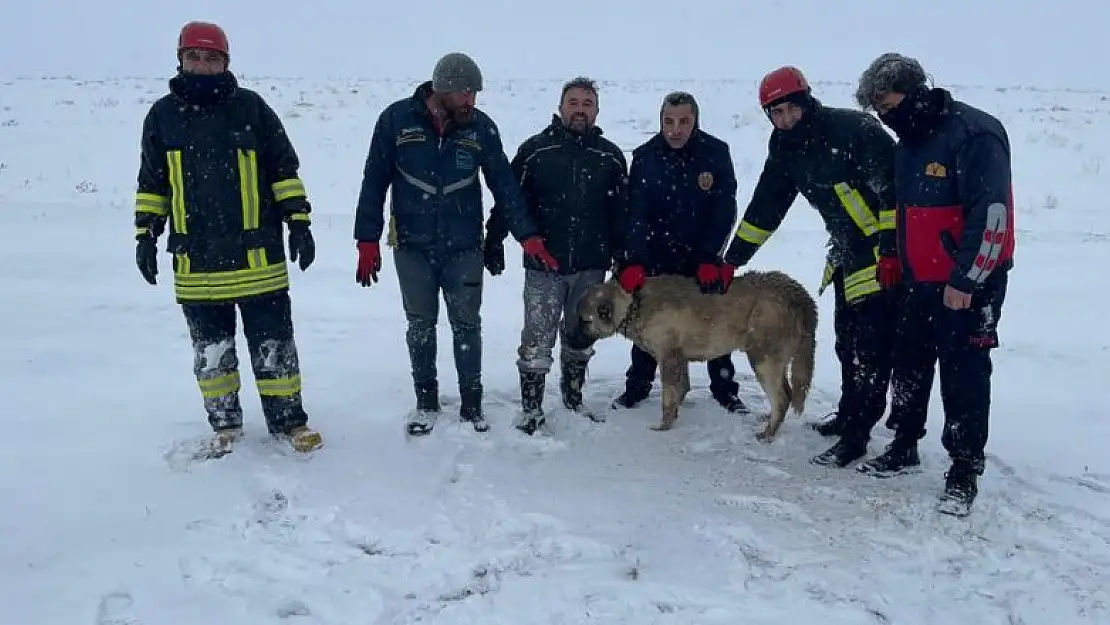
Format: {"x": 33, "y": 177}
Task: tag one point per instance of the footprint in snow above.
{"x": 115, "y": 609}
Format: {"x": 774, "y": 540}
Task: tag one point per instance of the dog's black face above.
{"x": 602, "y": 309}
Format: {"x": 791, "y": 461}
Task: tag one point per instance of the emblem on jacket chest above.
{"x": 705, "y": 180}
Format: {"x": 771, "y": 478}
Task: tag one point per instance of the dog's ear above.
{"x": 605, "y": 312}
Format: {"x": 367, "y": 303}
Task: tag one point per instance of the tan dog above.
{"x": 767, "y": 315}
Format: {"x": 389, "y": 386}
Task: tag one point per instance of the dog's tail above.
{"x": 802, "y": 364}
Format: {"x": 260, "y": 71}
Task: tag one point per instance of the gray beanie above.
{"x": 456, "y": 72}
{"x": 890, "y": 72}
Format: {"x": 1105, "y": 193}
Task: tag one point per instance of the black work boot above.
{"x": 471, "y": 410}
{"x": 730, "y": 401}
{"x": 900, "y": 456}
{"x": 423, "y": 419}
{"x": 833, "y": 426}
{"x": 531, "y": 401}
{"x": 844, "y": 452}
{"x": 632, "y": 395}
{"x": 961, "y": 487}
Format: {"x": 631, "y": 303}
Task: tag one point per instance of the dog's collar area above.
{"x": 632, "y": 309}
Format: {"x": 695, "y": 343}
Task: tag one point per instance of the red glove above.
{"x": 888, "y": 271}
{"x": 728, "y": 272}
{"x": 369, "y": 262}
{"x": 632, "y": 278}
{"x": 533, "y": 246}
{"x": 708, "y": 274}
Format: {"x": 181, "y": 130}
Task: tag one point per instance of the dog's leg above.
{"x": 685, "y": 383}
{"x": 671, "y": 367}
{"x": 771, "y": 373}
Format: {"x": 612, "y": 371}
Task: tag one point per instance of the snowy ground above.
{"x": 105, "y": 524}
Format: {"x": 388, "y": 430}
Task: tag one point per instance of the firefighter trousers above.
{"x": 961, "y": 342}
{"x": 268, "y": 327}
{"x": 865, "y": 334}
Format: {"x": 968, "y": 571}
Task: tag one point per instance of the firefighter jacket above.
{"x": 842, "y": 163}
{"x": 576, "y": 188}
{"x": 436, "y": 196}
{"x": 217, "y": 165}
{"x": 955, "y": 199}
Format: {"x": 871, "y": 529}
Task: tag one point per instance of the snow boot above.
{"x": 730, "y": 402}
{"x": 304, "y": 439}
{"x": 900, "y": 456}
{"x": 633, "y": 394}
{"x": 532, "y": 386}
{"x": 422, "y": 420}
{"x": 833, "y": 426}
{"x": 471, "y": 410}
{"x": 961, "y": 487}
{"x": 843, "y": 453}
{"x": 222, "y": 442}
{"x": 571, "y": 381}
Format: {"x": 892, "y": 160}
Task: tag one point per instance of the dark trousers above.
{"x": 865, "y": 333}
{"x": 268, "y": 327}
{"x": 641, "y": 374}
{"x": 423, "y": 275}
{"x": 961, "y": 341}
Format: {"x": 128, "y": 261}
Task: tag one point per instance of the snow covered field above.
{"x": 105, "y": 523}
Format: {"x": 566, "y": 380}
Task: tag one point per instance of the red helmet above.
{"x": 204, "y": 35}
{"x": 780, "y": 83}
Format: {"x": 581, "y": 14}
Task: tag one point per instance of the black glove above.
{"x": 494, "y": 256}
{"x": 301, "y": 244}
{"x": 146, "y": 258}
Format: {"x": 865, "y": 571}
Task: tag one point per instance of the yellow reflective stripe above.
{"x": 887, "y": 220}
{"x": 752, "y": 234}
{"x": 152, "y": 203}
{"x": 279, "y": 387}
{"x": 177, "y": 187}
{"x": 182, "y": 265}
{"x": 288, "y": 188}
{"x": 861, "y": 283}
{"x": 256, "y": 258}
{"x": 857, "y": 208}
{"x": 391, "y": 236}
{"x": 141, "y": 231}
{"x": 224, "y": 285}
{"x": 299, "y": 217}
{"x": 220, "y": 386}
{"x": 826, "y": 278}
{"x": 248, "y": 188}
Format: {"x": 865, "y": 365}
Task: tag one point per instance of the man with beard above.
{"x": 429, "y": 149}
{"x": 575, "y": 185}
{"x": 682, "y": 188}
{"x": 842, "y": 162}
{"x": 955, "y": 240}
{"x": 218, "y": 168}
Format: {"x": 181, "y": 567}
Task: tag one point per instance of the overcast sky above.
{"x": 993, "y": 42}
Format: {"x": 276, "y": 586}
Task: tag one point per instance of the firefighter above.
{"x": 218, "y": 169}
{"x": 955, "y": 244}
{"x": 428, "y": 150}
{"x": 842, "y": 162}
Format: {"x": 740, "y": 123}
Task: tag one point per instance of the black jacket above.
{"x": 842, "y": 163}
{"x": 682, "y": 203}
{"x": 217, "y": 165}
{"x": 576, "y": 189}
